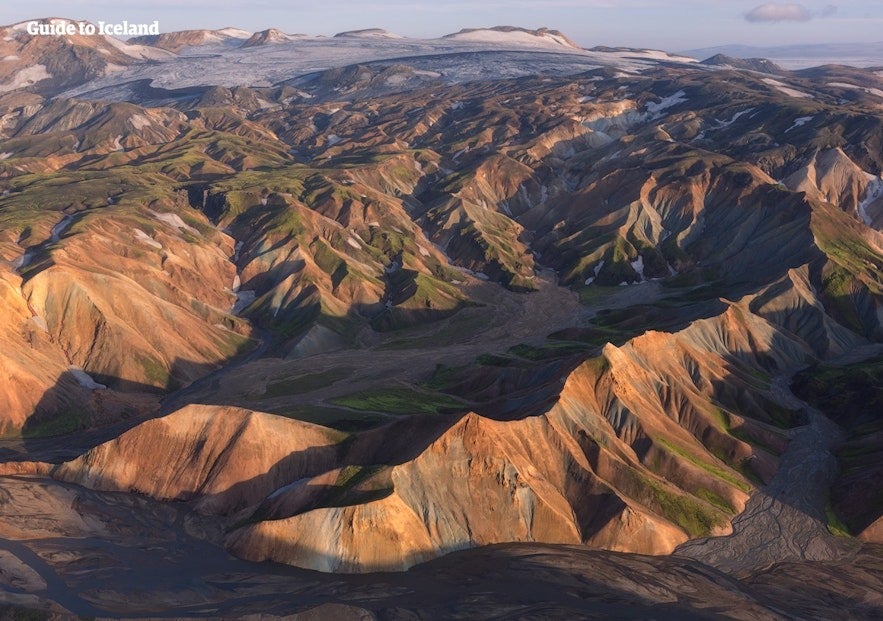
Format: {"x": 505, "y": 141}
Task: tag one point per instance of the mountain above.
{"x": 45, "y": 64}
{"x": 512, "y": 34}
{"x": 750, "y": 64}
{"x": 177, "y": 41}
{"x": 802, "y": 56}
{"x": 368, "y": 33}
{"x": 485, "y": 301}
{"x": 267, "y": 37}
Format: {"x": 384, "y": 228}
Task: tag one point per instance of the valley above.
{"x": 575, "y": 333}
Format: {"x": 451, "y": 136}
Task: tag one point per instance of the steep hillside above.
{"x": 359, "y": 302}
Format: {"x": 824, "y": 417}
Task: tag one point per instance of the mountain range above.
{"x": 569, "y": 332}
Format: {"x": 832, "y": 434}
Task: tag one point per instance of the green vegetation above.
{"x": 155, "y": 371}
{"x": 493, "y": 360}
{"x": 340, "y": 419}
{"x": 835, "y": 524}
{"x": 695, "y": 518}
{"x": 304, "y": 383}
{"x": 357, "y": 485}
{"x": 711, "y": 468}
{"x": 400, "y": 401}
{"x": 714, "y": 499}
{"x": 851, "y": 395}
{"x": 549, "y": 350}
{"x": 64, "y": 422}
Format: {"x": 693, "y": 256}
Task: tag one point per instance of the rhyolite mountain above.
{"x": 485, "y": 289}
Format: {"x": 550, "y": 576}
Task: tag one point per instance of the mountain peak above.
{"x": 268, "y": 37}
{"x": 368, "y": 33}
{"x": 178, "y": 40}
{"x": 751, "y": 64}
{"x": 514, "y": 34}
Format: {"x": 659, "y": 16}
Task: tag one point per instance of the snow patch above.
{"x": 139, "y": 121}
{"x": 333, "y": 139}
{"x": 514, "y": 37}
{"x": 173, "y": 219}
{"x": 872, "y": 194}
{"x": 870, "y": 91}
{"x": 147, "y": 239}
{"x": 666, "y": 103}
{"x": 799, "y": 122}
{"x": 59, "y": 229}
{"x": 638, "y": 266}
{"x": 722, "y": 124}
{"x": 597, "y": 271}
{"x": 26, "y": 77}
{"x": 84, "y": 379}
{"x": 142, "y": 52}
{"x": 236, "y": 33}
{"x": 787, "y": 90}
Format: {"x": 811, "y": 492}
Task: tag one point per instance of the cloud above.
{"x": 772, "y": 12}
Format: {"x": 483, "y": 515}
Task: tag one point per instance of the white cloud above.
{"x": 772, "y": 12}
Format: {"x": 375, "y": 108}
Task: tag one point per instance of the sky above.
{"x": 671, "y": 25}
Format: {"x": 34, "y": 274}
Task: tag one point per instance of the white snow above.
{"x": 26, "y": 77}
{"x": 230, "y": 65}
{"x": 799, "y": 122}
{"x": 722, "y": 124}
{"x": 236, "y": 33}
{"x": 870, "y": 91}
{"x": 59, "y": 229}
{"x": 666, "y": 103}
{"x": 147, "y": 239}
{"x": 84, "y": 379}
{"x": 142, "y": 52}
{"x": 139, "y": 121}
{"x": 638, "y": 266}
{"x": 173, "y": 219}
{"x": 369, "y": 33}
{"x": 333, "y": 139}
{"x": 117, "y": 145}
{"x": 873, "y": 193}
{"x": 597, "y": 271}
{"x": 516, "y": 37}
{"x": 784, "y": 88}
{"x": 286, "y": 488}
